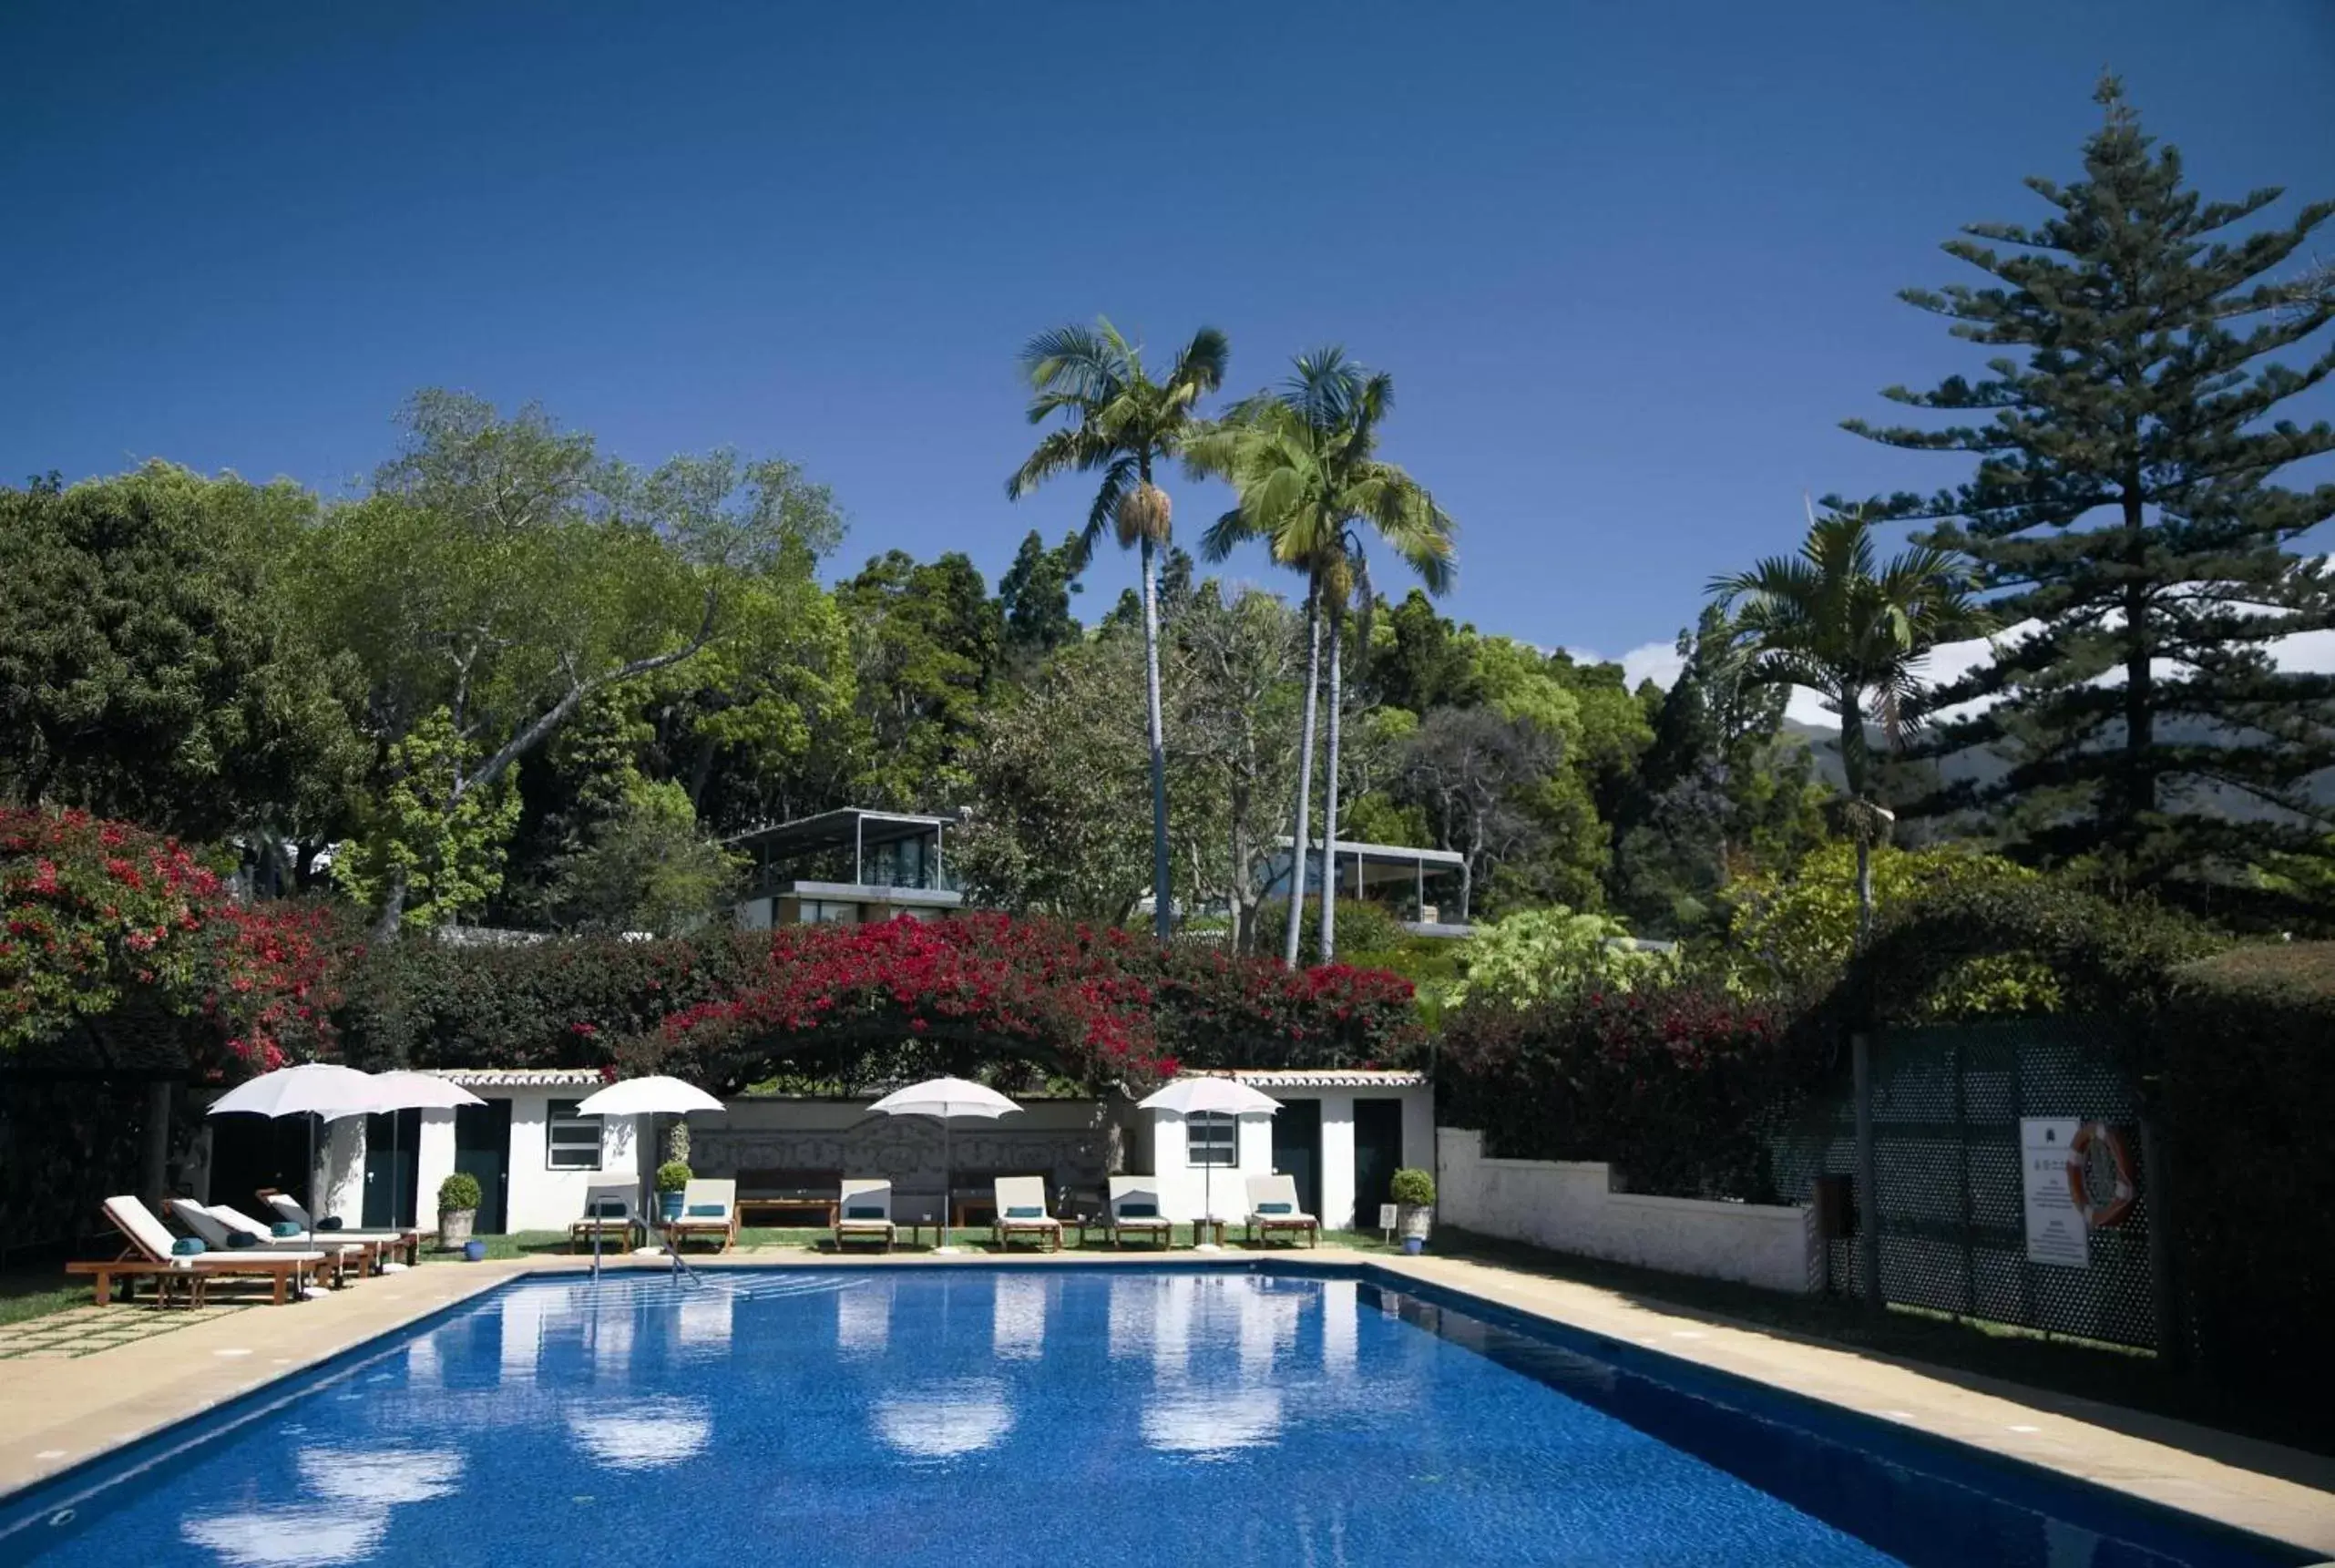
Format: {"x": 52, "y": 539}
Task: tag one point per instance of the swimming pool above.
{"x": 998, "y": 1416}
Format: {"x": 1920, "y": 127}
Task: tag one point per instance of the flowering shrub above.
{"x": 843, "y": 1002}
{"x": 1674, "y": 1086}
{"x": 96, "y": 917}
{"x": 1217, "y": 1009}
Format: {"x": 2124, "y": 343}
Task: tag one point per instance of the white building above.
{"x": 1341, "y": 1134}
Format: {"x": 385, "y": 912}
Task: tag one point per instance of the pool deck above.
{"x": 57, "y": 1414}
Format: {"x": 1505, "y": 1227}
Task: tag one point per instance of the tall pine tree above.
{"x": 2126, "y": 516}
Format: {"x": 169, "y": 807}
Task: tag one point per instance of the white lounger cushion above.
{"x": 863, "y": 1193}
{"x": 702, "y": 1192}
{"x": 153, "y": 1238}
{"x": 1278, "y": 1188}
{"x": 1024, "y": 1192}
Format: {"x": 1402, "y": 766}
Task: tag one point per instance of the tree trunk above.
{"x": 1162, "y": 907}
{"x": 1329, "y": 800}
{"x": 1860, "y": 817}
{"x": 2137, "y": 788}
{"x": 1304, "y": 779}
{"x": 393, "y": 907}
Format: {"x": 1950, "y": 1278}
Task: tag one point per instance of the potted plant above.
{"x": 1414, "y": 1195}
{"x": 458, "y": 1200}
{"x": 672, "y": 1176}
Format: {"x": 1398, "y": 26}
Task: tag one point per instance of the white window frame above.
{"x": 560, "y": 1115}
{"x": 1211, "y": 1138}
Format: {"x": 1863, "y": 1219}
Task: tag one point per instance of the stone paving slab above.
{"x": 56, "y": 1412}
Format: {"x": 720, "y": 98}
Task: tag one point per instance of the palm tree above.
{"x": 1830, "y": 619}
{"x": 1303, "y": 462}
{"x": 1121, "y": 422}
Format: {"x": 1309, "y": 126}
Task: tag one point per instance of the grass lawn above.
{"x": 38, "y": 1291}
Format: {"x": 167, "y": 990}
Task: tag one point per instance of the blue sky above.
{"x": 1629, "y": 263}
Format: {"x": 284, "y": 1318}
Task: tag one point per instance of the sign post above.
{"x": 1387, "y": 1221}
{"x": 2056, "y": 1233}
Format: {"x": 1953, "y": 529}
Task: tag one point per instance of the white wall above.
{"x": 1569, "y": 1206}
{"x": 539, "y": 1198}
{"x": 1180, "y": 1185}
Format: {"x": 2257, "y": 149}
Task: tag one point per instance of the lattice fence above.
{"x": 1949, "y": 1203}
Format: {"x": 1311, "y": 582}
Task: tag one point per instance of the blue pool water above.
{"x": 992, "y": 1417}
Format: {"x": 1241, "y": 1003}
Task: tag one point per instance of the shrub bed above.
{"x": 1674, "y": 1086}
{"x": 2241, "y": 1076}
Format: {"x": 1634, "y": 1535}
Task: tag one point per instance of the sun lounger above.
{"x": 218, "y": 1224}
{"x": 1273, "y": 1206}
{"x": 149, "y": 1257}
{"x": 864, "y": 1212}
{"x": 1021, "y": 1212}
{"x": 709, "y": 1212}
{"x": 395, "y": 1239}
{"x": 1135, "y": 1211}
{"x": 608, "y": 1211}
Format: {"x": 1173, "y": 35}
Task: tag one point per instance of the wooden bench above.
{"x": 284, "y": 1272}
{"x": 764, "y": 1195}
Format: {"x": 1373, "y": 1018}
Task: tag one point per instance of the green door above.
{"x": 1297, "y": 1149}
{"x": 391, "y": 1171}
{"x": 482, "y": 1146}
{"x": 1377, "y": 1155}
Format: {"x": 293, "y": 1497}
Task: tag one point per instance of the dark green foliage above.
{"x": 1423, "y": 661}
{"x": 2105, "y": 955}
{"x": 1034, "y": 596}
{"x": 1676, "y": 1087}
{"x": 2244, "y": 1058}
{"x": 927, "y": 637}
{"x": 559, "y": 1003}
{"x": 149, "y": 666}
{"x": 2126, "y": 500}
{"x": 1721, "y": 792}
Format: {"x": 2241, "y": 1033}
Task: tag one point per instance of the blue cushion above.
{"x": 864, "y": 1211}
{"x": 241, "y": 1238}
{"x": 187, "y": 1246}
{"x": 1139, "y": 1211}
{"x": 1025, "y": 1212}
{"x": 328, "y": 1223}
{"x": 284, "y": 1228}
{"x": 1276, "y": 1208}
{"x": 708, "y": 1211}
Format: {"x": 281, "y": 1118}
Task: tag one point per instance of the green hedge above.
{"x": 2241, "y": 1077}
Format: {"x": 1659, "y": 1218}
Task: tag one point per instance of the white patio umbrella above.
{"x": 319, "y": 1088}
{"x": 942, "y": 1098}
{"x": 655, "y": 1095}
{"x": 1190, "y": 1097}
{"x": 404, "y": 1089}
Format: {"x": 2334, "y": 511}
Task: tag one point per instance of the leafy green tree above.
{"x": 1535, "y": 954}
{"x": 1235, "y": 741}
{"x": 1303, "y": 461}
{"x": 1792, "y": 929}
{"x": 1034, "y": 596}
{"x": 152, "y": 666}
{"x": 431, "y": 844}
{"x": 927, "y": 636}
{"x": 647, "y": 867}
{"x": 2125, "y": 504}
{"x": 1468, "y": 770}
{"x": 1722, "y": 791}
{"x": 1053, "y": 761}
{"x": 498, "y": 575}
{"x": 1121, "y": 423}
{"x": 1419, "y": 660}
{"x": 1834, "y": 619}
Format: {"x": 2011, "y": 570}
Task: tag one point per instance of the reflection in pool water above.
{"x": 990, "y": 1418}
{"x": 960, "y": 1418}
{"x": 651, "y": 1434}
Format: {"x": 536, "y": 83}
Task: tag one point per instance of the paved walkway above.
{"x": 55, "y": 1413}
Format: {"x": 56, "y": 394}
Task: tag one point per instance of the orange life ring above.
{"x": 2085, "y": 1151}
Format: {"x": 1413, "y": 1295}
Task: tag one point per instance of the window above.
{"x": 1211, "y": 1138}
{"x": 573, "y": 1141}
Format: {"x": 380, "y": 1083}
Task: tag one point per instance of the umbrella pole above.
{"x": 948, "y": 1184}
